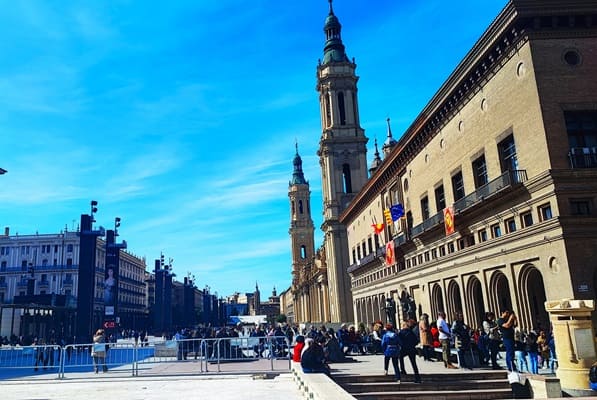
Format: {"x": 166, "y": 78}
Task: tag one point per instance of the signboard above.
{"x": 109, "y": 324}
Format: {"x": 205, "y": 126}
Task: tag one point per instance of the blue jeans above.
{"x": 521, "y": 361}
{"x": 533, "y": 362}
{"x": 509, "y": 345}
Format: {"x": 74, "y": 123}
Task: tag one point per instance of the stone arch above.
{"x": 454, "y": 299}
{"x": 474, "y": 302}
{"x": 532, "y": 299}
{"x": 500, "y": 295}
{"x": 437, "y": 300}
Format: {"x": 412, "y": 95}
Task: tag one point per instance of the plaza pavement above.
{"x": 181, "y": 380}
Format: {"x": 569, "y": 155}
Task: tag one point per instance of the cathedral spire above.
{"x": 333, "y": 50}
{"x": 390, "y": 141}
{"x": 298, "y": 177}
{"x": 376, "y": 160}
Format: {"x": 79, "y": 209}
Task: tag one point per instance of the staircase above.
{"x": 475, "y": 385}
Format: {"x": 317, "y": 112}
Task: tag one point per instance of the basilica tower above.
{"x": 302, "y": 238}
{"x": 342, "y": 157}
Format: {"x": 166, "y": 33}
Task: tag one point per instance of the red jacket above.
{"x": 298, "y": 348}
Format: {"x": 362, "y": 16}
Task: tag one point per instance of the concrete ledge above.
{"x": 544, "y": 387}
{"x": 317, "y": 386}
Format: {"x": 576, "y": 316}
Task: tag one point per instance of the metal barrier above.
{"x": 168, "y": 351}
{"x": 265, "y": 353}
{"x": 34, "y": 358}
{"x": 242, "y": 349}
{"x": 119, "y": 357}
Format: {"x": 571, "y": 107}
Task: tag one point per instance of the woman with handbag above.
{"x": 98, "y": 351}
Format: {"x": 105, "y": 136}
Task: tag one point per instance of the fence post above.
{"x": 218, "y": 346}
{"x": 135, "y": 371}
{"x": 62, "y": 361}
{"x": 272, "y": 353}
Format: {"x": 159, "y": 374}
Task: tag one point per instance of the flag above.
{"x": 449, "y": 220}
{"x": 388, "y": 216}
{"x": 377, "y": 228}
{"x": 397, "y": 211}
{"x": 390, "y": 259}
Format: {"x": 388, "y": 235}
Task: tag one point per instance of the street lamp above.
{"x": 3, "y": 171}
{"x": 93, "y": 209}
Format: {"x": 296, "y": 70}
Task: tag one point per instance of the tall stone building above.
{"x": 310, "y": 299}
{"x": 497, "y": 177}
{"x": 343, "y": 160}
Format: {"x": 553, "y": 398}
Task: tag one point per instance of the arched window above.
{"x": 346, "y": 178}
{"x": 292, "y": 206}
{"x": 300, "y": 206}
{"x": 303, "y": 252}
{"x": 341, "y": 108}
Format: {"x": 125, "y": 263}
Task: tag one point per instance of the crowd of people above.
{"x": 433, "y": 341}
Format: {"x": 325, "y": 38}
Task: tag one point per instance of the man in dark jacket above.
{"x": 409, "y": 342}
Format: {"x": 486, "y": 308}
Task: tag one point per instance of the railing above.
{"x": 369, "y": 258}
{"x": 583, "y": 157}
{"x": 505, "y": 180}
{"x": 130, "y": 359}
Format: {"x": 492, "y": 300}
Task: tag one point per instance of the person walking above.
{"x": 98, "y": 351}
{"x": 462, "y": 341}
{"x": 507, "y": 323}
{"x": 532, "y": 349}
{"x": 445, "y": 336}
{"x": 425, "y": 337}
{"x": 492, "y": 331}
{"x": 409, "y": 349}
{"x": 391, "y": 345}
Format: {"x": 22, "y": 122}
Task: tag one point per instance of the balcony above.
{"x": 583, "y": 157}
{"x": 368, "y": 259}
{"x": 490, "y": 189}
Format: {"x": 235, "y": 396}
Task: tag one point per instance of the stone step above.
{"x": 485, "y": 394}
{"x": 429, "y": 386}
{"x": 427, "y": 377}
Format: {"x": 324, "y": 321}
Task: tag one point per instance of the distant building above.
{"x": 39, "y": 280}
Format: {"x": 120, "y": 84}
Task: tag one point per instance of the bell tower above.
{"x": 342, "y": 157}
{"x": 301, "y": 236}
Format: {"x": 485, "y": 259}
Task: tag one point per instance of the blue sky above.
{"x": 180, "y": 117}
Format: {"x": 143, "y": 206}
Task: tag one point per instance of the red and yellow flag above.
{"x": 377, "y": 228}
{"x": 449, "y": 220}
{"x": 390, "y": 256}
{"x": 388, "y": 214}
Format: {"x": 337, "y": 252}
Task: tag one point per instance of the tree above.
{"x": 281, "y": 319}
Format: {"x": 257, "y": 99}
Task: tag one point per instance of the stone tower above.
{"x": 342, "y": 157}
{"x": 301, "y": 236}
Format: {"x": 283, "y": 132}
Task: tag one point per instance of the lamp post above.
{"x": 3, "y": 171}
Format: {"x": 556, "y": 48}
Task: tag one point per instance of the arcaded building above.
{"x": 506, "y": 152}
